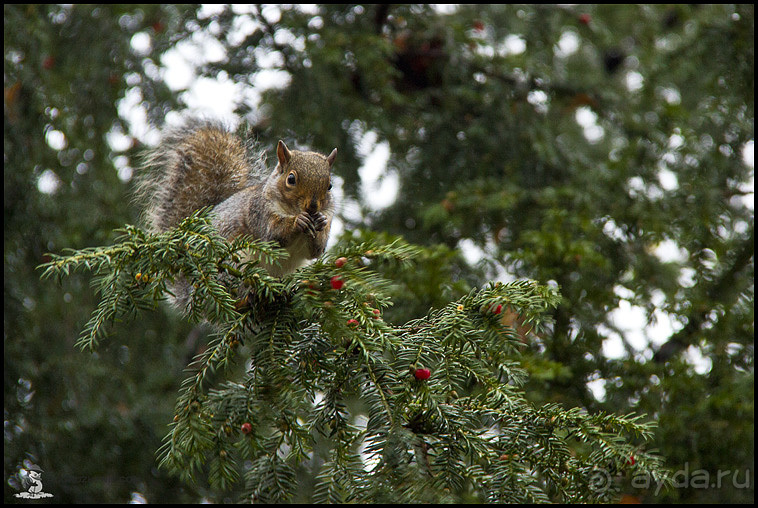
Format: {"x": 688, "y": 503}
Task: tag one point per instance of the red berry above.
{"x": 585, "y": 19}
{"x": 377, "y": 313}
{"x": 337, "y": 283}
{"x": 631, "y": 460}
{"x": 497, "y": 309}
{"x": 48, "y": 63}
{"x": 478, "y": 25}
{"x": 247, "y": 428}
{"x": 352, "y": 322}
{"x": 422, "y": 374}
{"x": 340, "y": 262}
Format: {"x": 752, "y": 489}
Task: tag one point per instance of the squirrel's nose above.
{"x": 312, "y": 207}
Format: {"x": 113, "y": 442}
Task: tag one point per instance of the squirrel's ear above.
{"x": 283, "y": 153}
{"x": 331, "y": 157}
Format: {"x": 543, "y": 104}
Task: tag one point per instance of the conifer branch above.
{"x": 439, "y": 399}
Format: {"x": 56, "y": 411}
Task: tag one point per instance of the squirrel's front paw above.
{"x": 319, "y": 221}
{"x": 304, "y": 223}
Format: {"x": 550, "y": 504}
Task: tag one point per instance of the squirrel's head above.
{"x": 305, "y": 178}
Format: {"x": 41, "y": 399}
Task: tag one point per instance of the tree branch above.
{"x": 718, "y": 291}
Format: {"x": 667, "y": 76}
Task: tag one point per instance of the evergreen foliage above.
{"x": 607, "y": 148}
{"x": 329, "y": 393}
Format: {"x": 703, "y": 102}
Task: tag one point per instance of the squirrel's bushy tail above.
{"x": 196, "y": 165}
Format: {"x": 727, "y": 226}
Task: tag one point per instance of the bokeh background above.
{"x": 607, "y": 150}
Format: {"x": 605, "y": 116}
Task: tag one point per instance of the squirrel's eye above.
{"x": 330, "y": 186}
{"x": 291, "y": 179}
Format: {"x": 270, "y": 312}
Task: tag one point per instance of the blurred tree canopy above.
{"x": 603, "y": 149}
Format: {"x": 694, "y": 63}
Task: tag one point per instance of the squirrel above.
{"x": 204, "y": 164}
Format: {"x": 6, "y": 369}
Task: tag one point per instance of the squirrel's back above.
{"x": 197, "y": 165}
